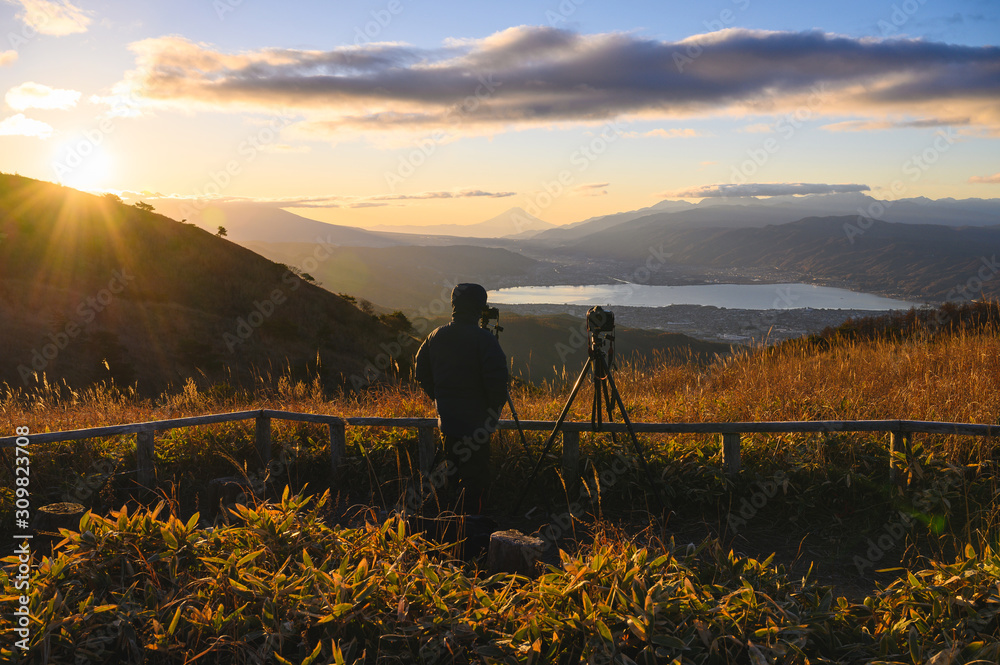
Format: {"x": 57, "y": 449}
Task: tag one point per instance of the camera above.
{"x": 489, "y": 314}
{"x": 600, "y": 320}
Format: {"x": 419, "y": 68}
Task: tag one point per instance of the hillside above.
{"x": 408, "y": 278}
{"x": 92, "y": 289}
{"x": 913, "y": 260}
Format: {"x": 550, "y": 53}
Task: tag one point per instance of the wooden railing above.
{"x": 900, "y": 433}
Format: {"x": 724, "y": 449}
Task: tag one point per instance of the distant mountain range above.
{"x": 917, "y": 248}
{"x": 754, "y": 212}
{"x": 246, "y": 222}
{"x": 408, "y": 278}
{"x": 916, "y": 260}
{"x": 513, "y": 223}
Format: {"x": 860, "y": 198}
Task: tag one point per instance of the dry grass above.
{"x": 953, "y": 378}
{"x": 278, "y": 582}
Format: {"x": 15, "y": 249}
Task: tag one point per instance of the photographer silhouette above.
{"x": 463, "y": 369}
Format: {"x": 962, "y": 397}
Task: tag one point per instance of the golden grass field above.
{"x": 305, "y": 581}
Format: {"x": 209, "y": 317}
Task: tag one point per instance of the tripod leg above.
{"x": 635, "y": 440}
{"x": 595, "y": 409}
{"x": 513, "y": 412}
{"x": 611, "y": 410}
{"x": 552, "y": 436}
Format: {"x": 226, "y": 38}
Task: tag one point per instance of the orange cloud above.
{"x": 536, "y": 76}
{"x": 53, "y": 18}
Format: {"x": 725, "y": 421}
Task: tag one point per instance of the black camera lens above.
{"x": 600, "y": 320}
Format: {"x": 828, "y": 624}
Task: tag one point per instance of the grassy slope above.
{"x": 182, "y": 291}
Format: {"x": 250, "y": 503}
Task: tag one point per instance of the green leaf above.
{"x": 340, "y": 609}
{"x": 168, "y": 538}
{"x": 315, "y": 654}
{"x": 637, "y": 629}
{"x": 668, "y": 641}
{"x": 174, "y": 621}
{"x": 604, "y": 631}
{"x": 248, "y": 558}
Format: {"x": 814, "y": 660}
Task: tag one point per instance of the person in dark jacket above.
{"x": 463, "y": 369}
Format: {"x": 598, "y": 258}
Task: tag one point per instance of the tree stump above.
{"x": 49, "y": 519}
{"x": 513, "y": 552}
{"x": 469, "y": 533}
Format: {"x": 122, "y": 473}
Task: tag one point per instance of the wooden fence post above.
{"x": 571, "y": 455}
{"x": 338, "y": 445}
{"x": 263, "y": 437}
{"x": 145, "y": 465}
{"x": 426, "y": 447}
{"x": 731, "y": 454}
{"x": 900, "y": 442}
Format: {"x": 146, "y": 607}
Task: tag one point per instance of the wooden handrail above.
{"x": 730, "y": 431}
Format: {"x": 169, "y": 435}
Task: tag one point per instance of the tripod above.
{"x": 605, "y": 393}
{"x": 493, "y": 314}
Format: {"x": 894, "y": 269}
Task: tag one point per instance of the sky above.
{"x": 419, "y": 112}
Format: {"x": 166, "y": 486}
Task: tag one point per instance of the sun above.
{"x": 84, "y": 165}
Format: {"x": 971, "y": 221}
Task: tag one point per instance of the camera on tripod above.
{"x": 489, "y": 314}
{"x": 600, "y": 320}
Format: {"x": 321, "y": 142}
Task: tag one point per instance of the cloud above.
{"x": 53, "y": 18}
{"x": 592, "y": 189}
{"x": 461, "y": 194}
{"x": 7, "y": 57}
{"x": 538, "y": 76}
{"x": 32, "y": 95}
{"x": 18, "y": 125}
{"x": 919, "y": 123}
{"x": 764, "y": 189}
{"x": 673, "y": 133}
{"x": 986, "y": 179}
{"x": 758, "y": 128}
{"x": 338, "y": 201}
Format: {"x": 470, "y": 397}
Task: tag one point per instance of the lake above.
{"x": 730, "y": 296}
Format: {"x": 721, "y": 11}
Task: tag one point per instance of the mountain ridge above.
{"x": 512, "y": 223}
{"x": 92, "y": 290}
